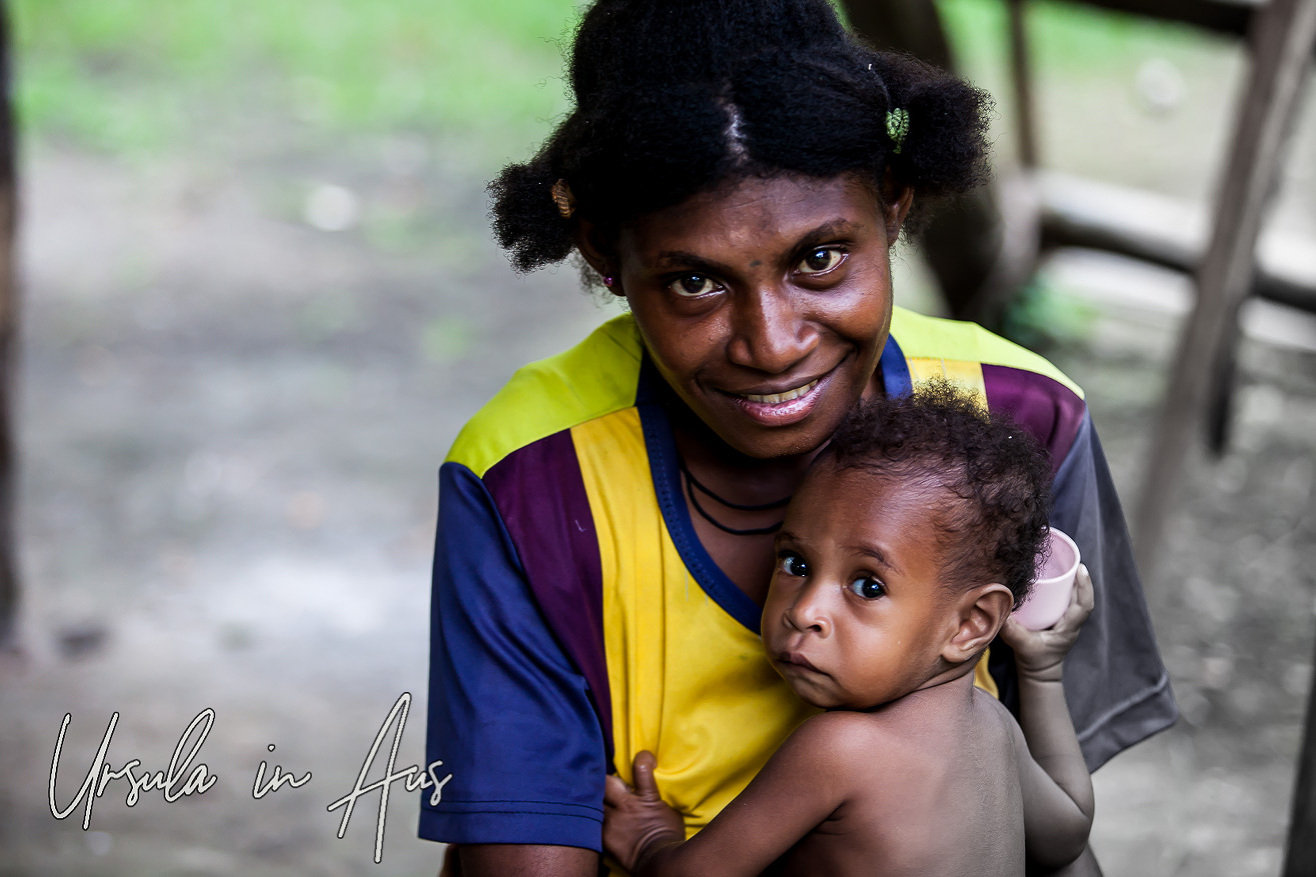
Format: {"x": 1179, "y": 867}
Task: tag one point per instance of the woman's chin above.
{"x": 795, "y": 439}
{"x": 768, "y": 431}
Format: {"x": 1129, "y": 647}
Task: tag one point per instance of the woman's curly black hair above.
{"x": 993, "y": 523}
{"x": 677, "y": 97}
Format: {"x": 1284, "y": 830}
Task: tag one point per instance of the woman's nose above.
{"x": 807, "y": 612}
{"x": 769, "y": 332}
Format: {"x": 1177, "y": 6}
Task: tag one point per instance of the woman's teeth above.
{"x": 777, "y": 398}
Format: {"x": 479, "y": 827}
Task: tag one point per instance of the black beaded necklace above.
{"x": 692, "y": 484}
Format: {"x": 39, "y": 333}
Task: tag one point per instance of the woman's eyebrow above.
{"x": 670, "y": 259}
{"x": 832, "y": 228}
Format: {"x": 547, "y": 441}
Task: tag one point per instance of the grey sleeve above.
{"x": 1115, "y": 681}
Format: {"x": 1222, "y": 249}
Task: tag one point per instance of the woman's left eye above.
{"x": 820, "y": 261}
{"x": 867, "y": 587}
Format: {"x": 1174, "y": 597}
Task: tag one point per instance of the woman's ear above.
{"x": 896, "y": 211}
{"x": 587, "y": 240}
{"x": 981, "y": 613}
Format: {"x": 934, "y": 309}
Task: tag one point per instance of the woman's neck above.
{"x": 719, "y": 482}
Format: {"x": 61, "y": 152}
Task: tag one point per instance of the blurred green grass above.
{"x": 145, "y": 75}
{"x": 142, "y": 76}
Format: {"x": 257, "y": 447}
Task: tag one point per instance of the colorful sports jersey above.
{"x": 577, "y": 619}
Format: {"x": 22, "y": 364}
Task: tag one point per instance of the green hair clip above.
{"x": 897, "y": 127}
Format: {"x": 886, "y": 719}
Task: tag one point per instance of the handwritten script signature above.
{"x": 182, "y": 778}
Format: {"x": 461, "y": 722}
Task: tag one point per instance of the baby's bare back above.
{"x": 934, "y": 789}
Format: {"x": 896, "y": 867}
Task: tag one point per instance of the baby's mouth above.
{"x": 798, "y": 660}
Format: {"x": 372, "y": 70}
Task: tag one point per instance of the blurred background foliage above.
{"x": 135, "y": 77}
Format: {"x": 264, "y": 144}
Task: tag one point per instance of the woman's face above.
{"x": 766, "y": 304}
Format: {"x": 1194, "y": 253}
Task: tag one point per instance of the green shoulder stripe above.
{"x": 596, "y": 377}
{"x": 922, "y": 337}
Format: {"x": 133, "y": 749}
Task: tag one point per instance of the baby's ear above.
{"x": 981, "y": 613}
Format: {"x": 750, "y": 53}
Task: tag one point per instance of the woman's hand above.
{"x": 1040, "y": 654}
{"x": 636, "y": 822}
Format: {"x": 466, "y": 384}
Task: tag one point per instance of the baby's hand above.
{"x": 636, "y": 822}
{"x": 1039, "y": 654}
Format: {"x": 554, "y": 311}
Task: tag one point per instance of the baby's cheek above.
{"x": 770, "y": 621}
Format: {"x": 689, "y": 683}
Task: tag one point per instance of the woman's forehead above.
{"x": 758, "y": 211}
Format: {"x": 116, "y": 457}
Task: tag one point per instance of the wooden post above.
{"x": 1282, "y": 38}
{"x": 8, "y": 340}
{"x": 1022, "y": 79}
{"x": 964, "y": 243}
{"x": 912, "y": 26}
{"x": 1300, "y": 857}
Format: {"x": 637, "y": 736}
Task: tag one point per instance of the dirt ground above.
{"x": 239, "y": 378}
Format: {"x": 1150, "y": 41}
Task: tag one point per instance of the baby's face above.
{"x": 856, "y": 615}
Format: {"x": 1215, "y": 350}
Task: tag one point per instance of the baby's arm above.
{"x": 1057, "y": 788}
{"x": 800, "y": 786}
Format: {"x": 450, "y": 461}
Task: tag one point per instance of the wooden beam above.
{"x": 912, "y": 26}
{"x": 963, "y": 243}
{"x": 1021, "y": 78}
{"x": 1231, "y": 17}
{"x": 8, "y": 340}
{"x": 1281, "y": 46}
{"x": 1160, "y": 230}
{"x": 1300, "y": 857}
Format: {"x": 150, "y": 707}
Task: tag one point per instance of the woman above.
{"x": 738, "y": 173}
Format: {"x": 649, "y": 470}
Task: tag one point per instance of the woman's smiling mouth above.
{"x": 775, "y": 398}
{"x": 790, "y": 405}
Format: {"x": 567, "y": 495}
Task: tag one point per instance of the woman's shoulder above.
{"x": 1008, "y": 377}
{"x": 596, "y": 377}
{"x": 921, "y": 337}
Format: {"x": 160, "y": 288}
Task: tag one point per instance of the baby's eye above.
{"x": 692, "y": 285}
{"x": 792, "y": 564}
{"x": 867, "y": 587}
{"x": 821, "y": 260}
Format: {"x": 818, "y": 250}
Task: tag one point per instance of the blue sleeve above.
{"x": 508, "y": 712}
{"x": 1115, "y": 681}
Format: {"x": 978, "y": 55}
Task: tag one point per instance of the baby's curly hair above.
{"x": 998, "y": 474}
{"x": 679, "y": 97}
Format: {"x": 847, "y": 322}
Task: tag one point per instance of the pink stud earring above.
{"x": 608, "y": 280}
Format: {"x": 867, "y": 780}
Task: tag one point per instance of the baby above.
{"x": 901, "y": 558}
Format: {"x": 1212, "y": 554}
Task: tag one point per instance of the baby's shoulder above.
{"x": 842, "y": 725}
{"x": 995, "y": 721}
{"x": 847, "y": 752}
{"x": 879, "y": 735}
{"x": 991, "y": 706}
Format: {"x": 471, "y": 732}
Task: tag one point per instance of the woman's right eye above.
{"x": 692, "y": 285}
{"x": 792, "y": 564}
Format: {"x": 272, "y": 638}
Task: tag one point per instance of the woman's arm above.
{"x": 509, "y": 715}
{"x": 1057, "y": 789}
{"x": 524, "y": 860}
{"x": 801, "y": 785}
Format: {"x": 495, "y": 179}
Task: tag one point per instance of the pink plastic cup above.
{"x": 1049, "y": 597}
